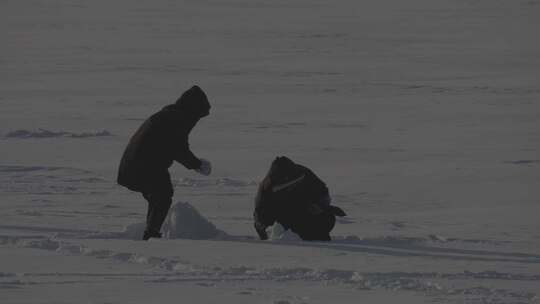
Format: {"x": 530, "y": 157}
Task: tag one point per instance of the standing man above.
{"x": 160, "y": 140}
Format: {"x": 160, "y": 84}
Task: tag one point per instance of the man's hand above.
{"x": 205, "y": 168}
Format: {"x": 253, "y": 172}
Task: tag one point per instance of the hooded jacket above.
{"x": 288, "y": 195}
{"x": 160, "y": 140}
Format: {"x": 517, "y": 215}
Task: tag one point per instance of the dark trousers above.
{"x": 158, "y": 208}
{"x": 315, "y": 227}
{"x": 158, "y": 192}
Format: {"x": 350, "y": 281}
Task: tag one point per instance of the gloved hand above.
{"x": 206, "y": 167}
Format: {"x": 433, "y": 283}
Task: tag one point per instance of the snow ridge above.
{"x": 43, "y": 133}
{"x": 40, "y": 179}
{"x": 173, "y": 270}
{"x": 219, "y": 182}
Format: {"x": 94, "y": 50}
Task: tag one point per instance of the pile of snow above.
{"x": 182, "y": 222}
{"x": 278, "y": 233}
{"x": 185, "y": 222}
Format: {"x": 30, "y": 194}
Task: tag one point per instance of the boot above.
{"x": 151, "y": 234}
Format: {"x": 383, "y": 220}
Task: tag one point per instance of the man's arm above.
{"x": 264, "y": 214}
{"x": 183, "y": 155}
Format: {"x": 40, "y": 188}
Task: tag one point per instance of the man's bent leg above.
{"x": 316, "y": 227}
{"x": 158, "y": 192}
{"x": 158, "y": 208}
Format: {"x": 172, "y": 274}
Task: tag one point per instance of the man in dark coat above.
{"x": 160, "y": 140}
{"x": 295, "y": 197}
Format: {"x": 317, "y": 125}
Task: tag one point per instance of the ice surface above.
{"x": 132, "y": 232}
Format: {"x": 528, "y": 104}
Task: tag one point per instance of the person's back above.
{"x": 159, "y": 141}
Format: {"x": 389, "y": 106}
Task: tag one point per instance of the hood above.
{"x": 284, "y": 170}
{"x": 195, "y": 102}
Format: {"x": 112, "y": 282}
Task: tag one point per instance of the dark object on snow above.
{"x": 160, "y": 140}
{"x": 158, "y": 207}
{"x": 148, "y": 234}
{"x": 295, "y": 197}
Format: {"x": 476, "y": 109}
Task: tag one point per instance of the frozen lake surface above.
{"x": 423, "y": 117}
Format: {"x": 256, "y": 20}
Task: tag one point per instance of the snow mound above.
{"x": 182, "y": 222}
{"x": 278, "y": 233}
{"x": 42, "y": 133}
{"x": 185, "y": 222}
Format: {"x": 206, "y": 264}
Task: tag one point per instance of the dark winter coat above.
{"x": 295, "y": 197}
{"x": 160, "y": 140}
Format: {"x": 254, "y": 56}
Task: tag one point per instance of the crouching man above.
{"x": 296, "y": 198}
{"x": 160, "y": 140}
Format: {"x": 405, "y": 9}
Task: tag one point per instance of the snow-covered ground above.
{"x": 422, "y": 116}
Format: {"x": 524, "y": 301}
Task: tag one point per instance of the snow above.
{"x": 278, "y": 233}
{"x": 422, "y": 117}
{"x": 42, "y": 133}
{"x": 185, "y": 222}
